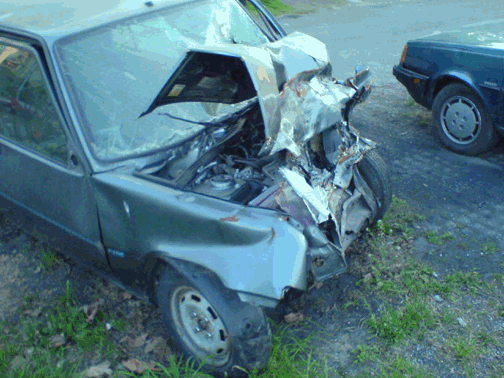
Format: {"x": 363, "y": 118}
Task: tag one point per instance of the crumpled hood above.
{"x": 298, "y": 65}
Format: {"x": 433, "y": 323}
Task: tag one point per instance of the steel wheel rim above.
{"x": 460, "y": 120}
{"x": 200, "y": 326}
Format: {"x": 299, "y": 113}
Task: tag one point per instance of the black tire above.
{"x": 240, "y": 333}
{"x": 462, "y": 120}
{"x": 375, "y": 172}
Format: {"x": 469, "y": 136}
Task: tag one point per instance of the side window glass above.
{"x": 261, "y": 20}
{"x": 27, "y": 115}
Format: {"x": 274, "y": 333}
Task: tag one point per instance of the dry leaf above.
{"x": 56, "y": 341}
{"x": 99, "y": 370}
{"x": 17, "y": 363}
{"x": 158, "y": 346}
{"x": 127, "y": 296}
{"x": 90, "y": 311}
{"x": 140, "y": 340}
{"x": 134, "y": 365}
{"x": 152, "y": 366}
{"x": 294, "y": 317}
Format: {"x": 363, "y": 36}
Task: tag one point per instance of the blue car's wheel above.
{"x": 462, "y": 120}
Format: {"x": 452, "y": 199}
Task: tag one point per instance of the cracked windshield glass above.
{"x": 114, "y": 74}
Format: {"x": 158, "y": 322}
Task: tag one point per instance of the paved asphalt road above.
{"x": 458, "y": 194}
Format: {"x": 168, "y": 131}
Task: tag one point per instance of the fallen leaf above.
{"x": 158, "y": 346}
{"x": 134, "y": 365}
{"x": 152, "y": 366}
{"x": 127, "y": 296}
{"x": 99, "y": 370}
{"x": 37, "y": 270}
{"x": 294, "y": 317}
{"x": 56, "y": 341}
{"x": 90, "y": 311}
{"x": 17, "y": 363}
{"x": 367, "y": 277}
{"x": 140, "y": 340}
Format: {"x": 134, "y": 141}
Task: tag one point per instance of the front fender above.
{"x": 251, "y": 250}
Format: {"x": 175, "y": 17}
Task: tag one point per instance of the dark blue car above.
{"x": 459, "y": 76}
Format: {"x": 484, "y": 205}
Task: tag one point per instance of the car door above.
{"x": 40, "y": 174}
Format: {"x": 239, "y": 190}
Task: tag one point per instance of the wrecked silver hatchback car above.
{"x": 189, "y": 151}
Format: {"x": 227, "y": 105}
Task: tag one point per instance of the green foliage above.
{"x": 393, "y": 325}
{"x": 434, "y": 238}
{"x": 399, "y": 367}
{"x": 364, "y": 353}
{"x": 471, "y": 280}
{"x": 465, "y": 349}
{"x": 490, "y": 247}
{"x": 276, "y": 7}
{"x": 50, "y": 258}
{"x": 398, "y": 219}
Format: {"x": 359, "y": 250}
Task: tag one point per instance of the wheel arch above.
{"x": 155, "y": 263}
{"x": 455, "y": 77}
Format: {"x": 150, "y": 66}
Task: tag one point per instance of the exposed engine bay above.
{"x": 308, "y": 170}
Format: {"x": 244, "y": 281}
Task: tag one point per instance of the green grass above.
{"x": 398, "y": 219}
{"x": 490, "y": 247}
{"x": 276, "y": 7}
{"x": 49, "y": 258}
{"x": 54, "y": 343}
{"x": 394, "y": 325}
{"x": 434, "y": 238}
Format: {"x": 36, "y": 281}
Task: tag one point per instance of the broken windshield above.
{"x": 115, "y": 72}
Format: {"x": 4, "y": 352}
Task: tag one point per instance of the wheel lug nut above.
{"x": 194, "y": 314}
{"x": 208, "y": 336}
{"x": 197, "y": 329}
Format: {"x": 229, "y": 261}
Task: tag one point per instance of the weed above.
{"x": 486, "y": 338}
{"x": 470, "y": 280}
{"x": 398, "y": 219}
{"x": 499, "y": 277}
{"x": 464, "y": 348}
{"x": 434, "y": 238}
{"x": 395, "y": 325}
{"x": 490, "y": 247}
{"x": 410, "y": 102}
{"x": 500, "y": 311}
{"x": 276, "y": 7}
{"x": 462, "y": 245}
{"x": 399, "y": 367}
{"x": 346, "y": 305}
{"x": 50, "y": 258}
{"x": 365, "y": 353}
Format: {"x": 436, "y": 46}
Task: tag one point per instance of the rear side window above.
{"x": 27, "y": 114}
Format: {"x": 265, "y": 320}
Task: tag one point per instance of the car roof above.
{"x": 68, "y": 17}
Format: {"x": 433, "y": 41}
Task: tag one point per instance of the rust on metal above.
{"x": 231, "y": 218}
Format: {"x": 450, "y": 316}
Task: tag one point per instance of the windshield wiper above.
{"x": 217, "y": 121}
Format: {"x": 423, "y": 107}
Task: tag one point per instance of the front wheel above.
{"x": 462, "y": 121}
{"x": 221, "y": 333}
{"x": 374, "y": 171}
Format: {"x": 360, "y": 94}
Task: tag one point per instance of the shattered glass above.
{"x": 114, "y": 73}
